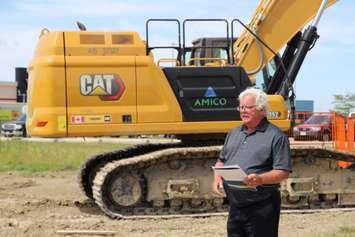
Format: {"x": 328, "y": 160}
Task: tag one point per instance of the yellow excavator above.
{"x": 85, "y": 83}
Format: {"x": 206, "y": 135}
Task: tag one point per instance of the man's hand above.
{"x": 253, "y": 180}
{"x": 217, "y": 185}
{"x": 270, "y": 177}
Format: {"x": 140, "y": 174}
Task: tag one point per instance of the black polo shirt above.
{"x": 264, "y": 149}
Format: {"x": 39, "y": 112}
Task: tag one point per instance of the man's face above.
{"x": 250, "y": 115}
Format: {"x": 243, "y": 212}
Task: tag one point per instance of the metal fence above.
{"x": 325, "y": 127}
{"x": 344, "y": 133}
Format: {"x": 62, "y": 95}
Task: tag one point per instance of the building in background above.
{"x": 13, "y": 96}
{"x": 304, "y": 110}
{"x": 15, "y": 91}
{"x": 8, "y": 92}
{"x": 304, "y": 106}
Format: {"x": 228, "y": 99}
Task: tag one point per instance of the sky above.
{"x": 326, "y": 71}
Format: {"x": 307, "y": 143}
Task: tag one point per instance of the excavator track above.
{"x": 317, "y": 180}
{"x": 181, "y": 194}
{"x": 160, "y": 180}
{"x": 91, "y": 166}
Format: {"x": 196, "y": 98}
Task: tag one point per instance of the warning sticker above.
{"x": 91, "y": 119}
{"x": 62, "y": 123}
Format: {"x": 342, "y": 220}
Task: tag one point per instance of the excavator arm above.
{"x": 275, "y": 22}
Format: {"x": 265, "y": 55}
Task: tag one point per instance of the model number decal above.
{"x": 273, "y": 114}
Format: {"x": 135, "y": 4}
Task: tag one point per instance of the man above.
{"x": 262, "y": 150}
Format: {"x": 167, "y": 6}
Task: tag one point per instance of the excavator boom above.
{"x": 275, "y": 22}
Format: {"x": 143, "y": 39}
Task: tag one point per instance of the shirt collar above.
{"x": 261, "y": 126}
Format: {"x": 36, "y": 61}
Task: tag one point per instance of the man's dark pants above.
{"x": 257, "y": 220}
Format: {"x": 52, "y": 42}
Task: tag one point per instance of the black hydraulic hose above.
{"x": 279, "y": 75}
{"x": 308, "y": 39}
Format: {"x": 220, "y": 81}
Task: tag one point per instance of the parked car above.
{"x": 15, "y": 128}
{"x": 316, "y": 127}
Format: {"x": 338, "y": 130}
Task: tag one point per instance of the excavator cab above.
{"x": 203, "y": 51}
{"x": 216, "y": 49}
{"x": 205, "y": 82}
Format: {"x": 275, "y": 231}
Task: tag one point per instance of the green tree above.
{"x": 344, "y": 103}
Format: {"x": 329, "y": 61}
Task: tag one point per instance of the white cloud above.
{"x": 339, "y": 33}
{"x": 117, "y": 8}
{"x": 16, "y": 48}
{"x": 85, "y": 8}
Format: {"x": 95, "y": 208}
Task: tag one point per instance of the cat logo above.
{"x": 106, "y": 86}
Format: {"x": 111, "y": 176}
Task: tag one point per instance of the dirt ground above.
{"x": 45, "y": 204}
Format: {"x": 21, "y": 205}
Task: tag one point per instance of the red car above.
{"x": 316, "y": 127}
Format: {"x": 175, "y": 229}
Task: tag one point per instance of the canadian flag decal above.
{"x": 77, "y": 119}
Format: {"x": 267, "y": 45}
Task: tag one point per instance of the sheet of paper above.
{"x": 230, "y": 172}
{"x": 234, "y": 176}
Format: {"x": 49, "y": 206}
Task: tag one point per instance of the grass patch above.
{"x": 342, "y": 231}
{"x": 17, "y": 155}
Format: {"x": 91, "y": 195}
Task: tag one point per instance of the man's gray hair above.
{"x": 260, "y": 98}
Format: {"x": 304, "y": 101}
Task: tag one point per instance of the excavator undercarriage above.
{"x": 173, "y": 179}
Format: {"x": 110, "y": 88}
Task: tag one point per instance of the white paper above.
{"x": 230, "y": 172}
{"x": 233, "y": 175}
